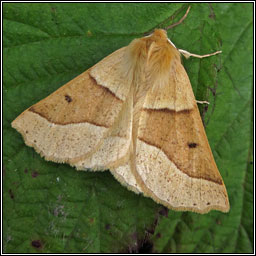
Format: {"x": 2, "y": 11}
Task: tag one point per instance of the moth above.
{"x": 135, "y": 114}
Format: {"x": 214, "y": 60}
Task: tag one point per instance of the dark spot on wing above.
{"x": 192, "y": 145}
{"x": 68, "y": 98}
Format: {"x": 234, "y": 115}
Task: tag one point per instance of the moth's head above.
{"x": 159, "y": 34}
{"x": 156, "y": 43}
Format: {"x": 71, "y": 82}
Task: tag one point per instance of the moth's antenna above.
{"x": 187, "y": 54}
{"x": 180, "y": 21}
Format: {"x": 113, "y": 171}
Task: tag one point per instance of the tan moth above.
{"x": 135, "y": 114}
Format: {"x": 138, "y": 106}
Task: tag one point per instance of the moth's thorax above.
{"x": 150, "y": 60}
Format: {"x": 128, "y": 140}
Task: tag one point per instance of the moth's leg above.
{"x": 187, "y": 54}
{"x": 202, "y": 102}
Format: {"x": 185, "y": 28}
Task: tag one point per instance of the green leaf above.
{"x": 52, "y": 208}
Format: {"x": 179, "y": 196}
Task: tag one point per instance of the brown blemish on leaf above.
{"x": 218, "y": 222}
{"x": 37, "y": 244}
{"x": 107, "y": 226}
{"x": 11, "y": 194}
{"x": 26, "y": 170}
{"x": 91, "y": 220}
{"x": 164, "y": 211}
{"x": 158, "y": 235}
{"x": 34, "y": 174}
